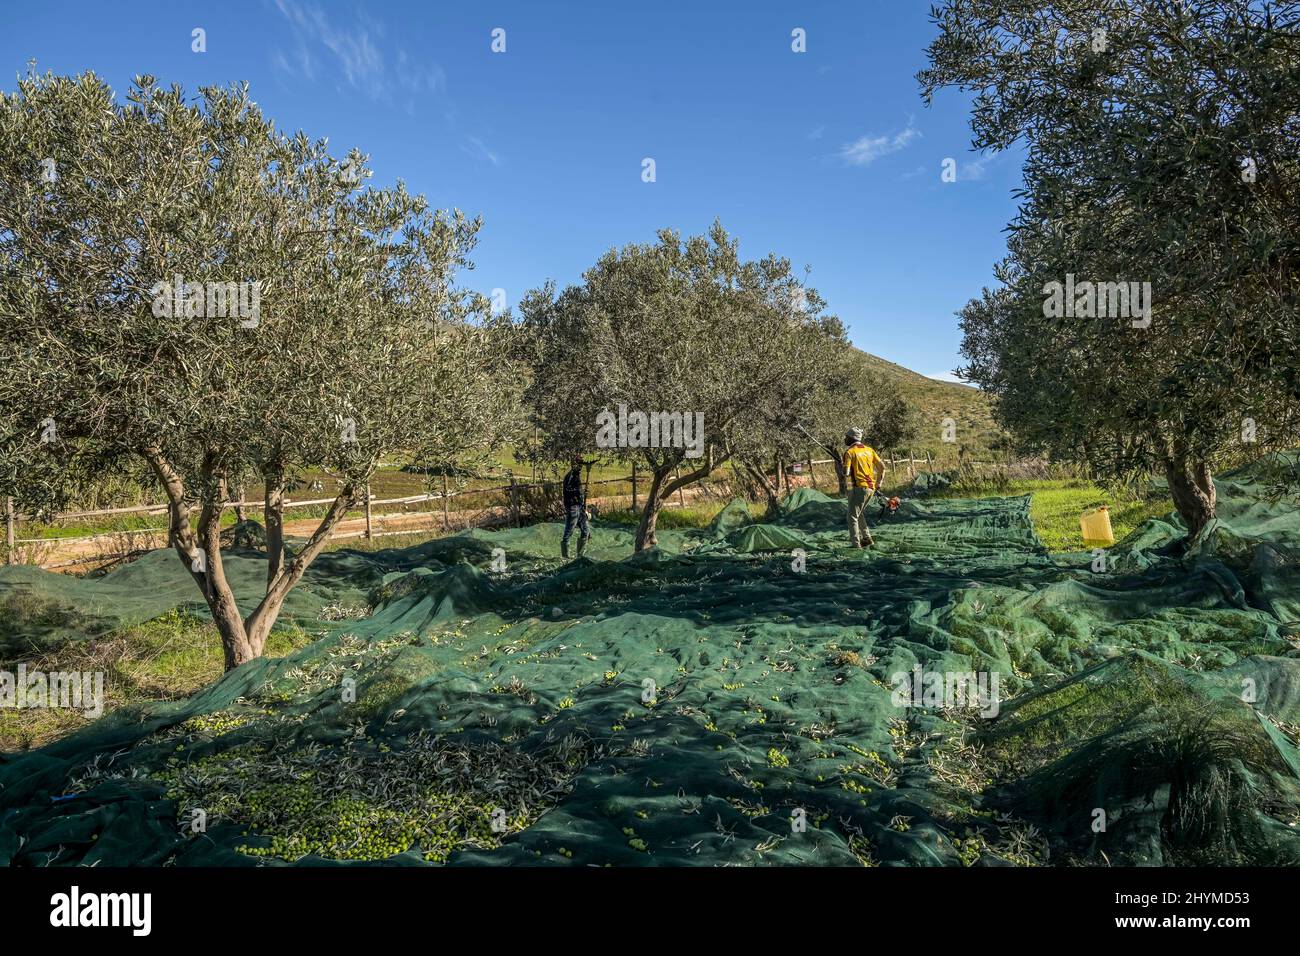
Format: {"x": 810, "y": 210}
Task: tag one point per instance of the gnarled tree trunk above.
{"x": 258, "y": 624}
{"x": 242, "y": 639}
{"x": 1192, "y": 487}
{"x": 273, "y": 515}
{"x": 771, "y": 491}
{"x": 662, "y": 488}
{"x": 645, "y": 532}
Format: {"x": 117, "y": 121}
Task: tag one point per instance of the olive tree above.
{"x": 681, "y": 332}
{"x": 785, "y": 415}
{"x": 850, "y": 395}
{"x": 1162, "y": 142}
{"x": 192, "y": 289}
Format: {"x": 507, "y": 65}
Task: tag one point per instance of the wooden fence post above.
{"x": 681, "y": 498}
{"x": 445, "y": 525}
{"x": 10, "y": 556}
{"x": 929, "y": 462}
{"x": 812, "y": 470}
{"x": 369, "y": 532}
{"x": 634, "y": 486}
{"x": 514, "y": 499}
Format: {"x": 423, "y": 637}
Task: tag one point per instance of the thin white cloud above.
{"x": 302, "y": 66}
{"x": 357, "y": 53}
{"x": 973, "y": 169}
{"x": 867, "y": 149}
{"x": 476, "y": 147}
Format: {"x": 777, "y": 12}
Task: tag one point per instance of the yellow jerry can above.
{"x": 1095, "y": 524}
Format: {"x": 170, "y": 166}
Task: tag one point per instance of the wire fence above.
{"x": 52, "y": 552}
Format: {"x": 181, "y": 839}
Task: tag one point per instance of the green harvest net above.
{"x": 708, "y": 702}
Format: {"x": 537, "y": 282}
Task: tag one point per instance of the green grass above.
{"x": 382, "y": 542}
{"x": 170, "y": 657}
{"x": 1056, "y": 503}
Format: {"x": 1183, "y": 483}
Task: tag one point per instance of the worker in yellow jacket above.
{"x": 863, "y": 472}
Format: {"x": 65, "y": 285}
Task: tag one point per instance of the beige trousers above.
{"x": 858, "y": 530}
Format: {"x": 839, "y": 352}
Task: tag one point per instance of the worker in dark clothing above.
{"x": 575, "y": 508}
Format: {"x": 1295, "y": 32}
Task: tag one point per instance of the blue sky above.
{"x": 828, "y": 157}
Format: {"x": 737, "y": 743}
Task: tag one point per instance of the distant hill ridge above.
{"x": 934, "y": 401}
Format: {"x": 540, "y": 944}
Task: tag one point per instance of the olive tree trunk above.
{"x": 662, "y": 486}
{"x": 1192, "y": 487}
{"x": 242, "y": 639}
{"x": 837, "y": 458}
{"x": 273, "y": 515}
{"x": 770, "y": 491}
{"x": 645, "y": 531}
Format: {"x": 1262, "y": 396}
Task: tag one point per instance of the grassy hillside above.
{"x": 935, "y": 400}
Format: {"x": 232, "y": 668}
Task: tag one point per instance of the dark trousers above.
{"x": 575, "y": 514}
